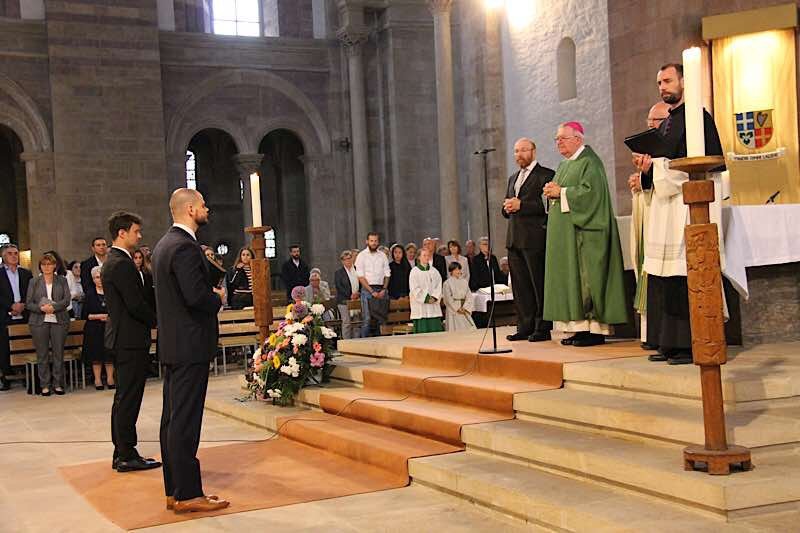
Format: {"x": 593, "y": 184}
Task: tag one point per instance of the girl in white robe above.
{"x": 458, "y": 300}
{"x": 425, "y": 286}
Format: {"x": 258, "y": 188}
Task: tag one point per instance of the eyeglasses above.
{"x": 564, "y": 138}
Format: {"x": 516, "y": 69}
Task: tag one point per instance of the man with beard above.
{"x": 668, "y": 324}
{"x": 525, "y": 240}
{"x": 187, "y": 307}
{"x": 373, "y": 270}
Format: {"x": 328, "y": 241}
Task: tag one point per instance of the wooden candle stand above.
{"x": 262, "y": 291}
{"x": 709, "y": 349}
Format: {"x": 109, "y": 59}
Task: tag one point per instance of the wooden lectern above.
{"x": 709, "y": 349}
{"x": 262, "y": 291}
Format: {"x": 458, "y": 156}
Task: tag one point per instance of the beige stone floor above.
{"x": 34, "y": 497}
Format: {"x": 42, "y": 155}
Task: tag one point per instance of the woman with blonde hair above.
{"x": 240, "y": 285}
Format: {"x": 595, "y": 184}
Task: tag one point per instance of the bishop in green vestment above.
{"x": 583, "y": 291}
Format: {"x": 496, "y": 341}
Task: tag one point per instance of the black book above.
{"x": 650, "y": 142}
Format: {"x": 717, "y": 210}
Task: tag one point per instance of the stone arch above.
{"x": 194, "y": 126}
{"x": 24, "y": 118}
{"x": 566, "y": 70}
{"x": 297, "y": 127}
{"x": 320, "y": 137}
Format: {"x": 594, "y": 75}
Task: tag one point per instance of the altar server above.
{"x": 425, "y": 284}
{"x": 458, "y": 300}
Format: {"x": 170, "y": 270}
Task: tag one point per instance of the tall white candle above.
{"x": 693, "y": 103}
{"x": 255, "y": 198}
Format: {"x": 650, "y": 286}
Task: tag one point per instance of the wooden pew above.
{"x": 23, "y": 352}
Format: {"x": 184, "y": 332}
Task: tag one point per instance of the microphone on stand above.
{"x": 484, "y": 151}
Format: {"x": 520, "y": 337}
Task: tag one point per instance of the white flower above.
{"x": 328, "y": 333}
{"x": 274, "y": 393}
{"x": 292, "y": 361}
{"x": 298, "y": 340}
{"x": 291, "y": 329}
{"x": 317, "y": 309}
{"x": 289, "y": 315}
{"x": 286, "y": 370}
{"x": 296, "y": 371}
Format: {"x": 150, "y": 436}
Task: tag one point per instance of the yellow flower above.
{"x": 290, "y": 308}
{"x": 273, "y": 339}
{"x": 276, "y": 362}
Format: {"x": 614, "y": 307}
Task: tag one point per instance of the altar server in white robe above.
{"x": 425, "y": 284}
{"x": 458, "y": 300}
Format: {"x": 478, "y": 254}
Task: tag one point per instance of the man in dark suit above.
{"x": 13, "y": 288}
{"x": 131, "y": 317}
{"x": 294, "y": 271}
{"x": 187, "y": 307}
{"x": 98, "y": 257}
{"x": 525, "y": 240}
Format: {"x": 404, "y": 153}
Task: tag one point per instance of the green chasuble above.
{"x": 583, "y": 266}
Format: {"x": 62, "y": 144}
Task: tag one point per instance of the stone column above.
{"x": 44, "y": 219}
{"x": 353, "y": 42}
{"x": 449, "y": 198}
{"x": 246, "y": 164}
{"x": 321, "y": 209}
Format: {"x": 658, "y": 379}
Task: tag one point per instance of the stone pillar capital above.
{"x": 352, "y": 38}
{"x": 246, "y": 164}
{"x": 440, "y": 7}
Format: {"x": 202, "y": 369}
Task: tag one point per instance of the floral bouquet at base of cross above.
{"x": 302, "y": 348}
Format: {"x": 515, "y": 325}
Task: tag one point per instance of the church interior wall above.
{"x": 531, "y": 36}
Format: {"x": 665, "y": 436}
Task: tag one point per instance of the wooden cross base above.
{"x": 718, "y": 462}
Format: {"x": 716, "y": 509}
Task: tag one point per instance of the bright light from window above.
{"x": 191, "y": 175}
{"x": 520, "y": 13}
{"x": 237, "y": 17}
{"x": 5, "y": 238}
{"x": 494, "y": 4}
{"x": 269, "y": 236}
{"x": 222, "y": 249}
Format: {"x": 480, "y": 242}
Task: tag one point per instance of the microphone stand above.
{"x": 494, "y": 349}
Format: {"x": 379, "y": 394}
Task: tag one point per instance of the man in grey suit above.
{"x": 187, "y": 306}
{"x": 525, "y": 240}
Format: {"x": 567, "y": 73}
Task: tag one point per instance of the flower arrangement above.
{"x": 301, "y": 349}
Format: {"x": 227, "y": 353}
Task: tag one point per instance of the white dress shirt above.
{"x": 522, "y": 176}
{"x": 374, "y": 266}
{"x": 185, "y": 228}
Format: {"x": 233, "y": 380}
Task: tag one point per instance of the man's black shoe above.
{"x": 4, "y": 384}
{"x": 648, "y": 346}
{"x": 657, "y": 357}
{"x": 517, "y": 336}
{"x": 539, "y": 336}
{"x": 680, "y": 359}
{"x": 592, "y": 339}
{"x": 115, "y": 463}
{"x": 140, "y": 463}
{"x": 568, "y": 340}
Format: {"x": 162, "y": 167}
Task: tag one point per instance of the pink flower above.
{"x": 317, "y": 347}
{"x": 317, "y": 359}
{"x": 295, "y": 350}
{"x": 308, "y": 319}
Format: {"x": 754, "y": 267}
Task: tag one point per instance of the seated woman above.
{"x": 317, "y": 291}
{"x": 426, "y": 291}
{"x": 240, "y": 284}
{"x": 47, "y": 301}
{"x": 400, "y": 271}
{"x": 458, "y": 300}
{"x": 95, "y": 313}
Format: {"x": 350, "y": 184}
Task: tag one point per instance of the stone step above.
{"x": 649, "y": 467}
{"x": 656, "y": 419}
{"x": 557, "y": 501}
{"x": 752, "y": 374}
{"x": 490, "y": 392}
{"x": 350, "y": 368}
{"x": 418, "y": 415}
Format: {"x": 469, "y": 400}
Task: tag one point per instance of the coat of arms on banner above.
{"x": 754, "y": 128}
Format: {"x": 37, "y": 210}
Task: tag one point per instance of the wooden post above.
{"x": 709, "y": 349}
{"x": 262, "y": 291}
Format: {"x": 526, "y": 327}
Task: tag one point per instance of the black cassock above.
{"x": 668, "y": 325}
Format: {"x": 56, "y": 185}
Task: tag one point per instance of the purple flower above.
{"x": 300, "y": 310}
{"x": 298, "y": 293}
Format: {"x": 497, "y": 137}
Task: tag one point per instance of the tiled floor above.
{"x": 37, "y": 435}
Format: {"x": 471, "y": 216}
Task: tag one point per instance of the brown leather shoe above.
{"x": 198, "y": 505}
{"x": 171, "y": 501}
